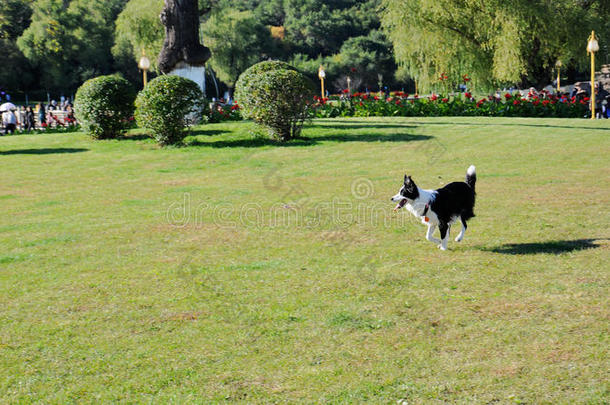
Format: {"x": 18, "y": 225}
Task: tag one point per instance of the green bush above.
{"x": 104, "y": 106}
{"x": 166, "y": 105}
{"x": 275, "y": 96}
{"x": 245, "y": 79}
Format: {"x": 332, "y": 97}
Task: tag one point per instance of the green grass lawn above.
{"x": 236, "y": 269}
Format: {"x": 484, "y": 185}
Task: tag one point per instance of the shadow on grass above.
{"x": 251, "y": 143}
{"x": 43, "y": 151}
{"x": 136, "y": 137}
{"x": 554, "y": 247}
{"x": 341, "y": 124}
{"x": 206, "y": 132}
{"x": 258, "y": 142}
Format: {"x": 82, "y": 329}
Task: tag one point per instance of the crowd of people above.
{"x": 40, "y": 116}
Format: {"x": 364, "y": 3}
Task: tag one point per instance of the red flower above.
{"x": 416, "y": 95}
{"x": 235, "y": 107}
{"x": 361, "y": 104}
{"x": 353, "y": 70}
{"x": 445, "y": 100}
{"x": 536, "y": 102}
{"x": 586, "y": 99}
{"x": 365, "y": 96}
{"x": 516, "y": 102}
{"x": 466, "y": 78}
{"x": 44, "y": 125}
{"x": 480, "y": 102}
{"x": 433, "y": 97}
{"x": 468, "y": 95}
{"x": 376, "y": 98}
{"x": 397, "y": 102}
{"x": 545, "y": 102}
{"x": 508, "y": 96}
{"x": 345, "y": 91}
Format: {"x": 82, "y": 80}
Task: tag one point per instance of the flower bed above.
{"x": 401, "y": 105}
{"x": 220, "y": 113}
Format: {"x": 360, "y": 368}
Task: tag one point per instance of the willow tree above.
{"x": 494, "y": 42}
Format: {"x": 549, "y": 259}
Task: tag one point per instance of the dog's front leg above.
{"x": 444, "y": 229}
{"x": 429, "y": 236}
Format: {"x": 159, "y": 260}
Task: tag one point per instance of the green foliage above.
{"x": 497, "y": 42}
{"x": 237, "y": 40}
{"x": 69, "y": 41}
{"x": 247, "y": 78}
{"x": 276, "y": 98}
{"x": 104, "y": 106}
{"x": 320, "y": 27}
{"x": 16, "y": 72}
{"x": 138, "y": 28}
{"x": 164, "y": 107}
{"x": 14, "y": 18}
{"x": 361, "y": 58}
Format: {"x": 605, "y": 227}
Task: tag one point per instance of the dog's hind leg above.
{"x": 429, "y": 236}
{"x": 462, "y": 232}
{"x": 444, "y": 228}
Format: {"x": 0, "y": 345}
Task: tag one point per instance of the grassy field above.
{"x": 235, "y": 269}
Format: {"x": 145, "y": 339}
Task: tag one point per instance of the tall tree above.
{"x": 494, "y": 41}
{"x": 181, "y": 44}
{"x": 237, "y": 40}
{"x": 138, "y": 29}
{"x": 70, "y": 41}
{"x": 16, "y": 72}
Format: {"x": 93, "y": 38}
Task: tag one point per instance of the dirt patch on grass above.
{"x": 185, "y": 316}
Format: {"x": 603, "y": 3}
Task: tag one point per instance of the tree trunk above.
{"x": 181, "y": 21}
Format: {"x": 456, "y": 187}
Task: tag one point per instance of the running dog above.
{"x": 440, "y": 207}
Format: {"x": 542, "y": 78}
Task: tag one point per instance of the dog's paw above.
{"x": 459, "y": 239}
{"x": 441, "y": 247}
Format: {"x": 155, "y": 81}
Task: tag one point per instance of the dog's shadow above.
{"x": 550, "y": 247}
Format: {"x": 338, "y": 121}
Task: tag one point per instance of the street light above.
{"x": 592, "y": 47}
{"x": 558, "y": 64}
{"x": 144, "y": 65}
{"x": 349, "y": 84}
{"x": 322, "y": 75}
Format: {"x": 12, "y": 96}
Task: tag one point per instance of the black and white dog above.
{"x": 441, "y": 207}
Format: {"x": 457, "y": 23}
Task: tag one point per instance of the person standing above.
{"x": 601, "y": 100}
{"x": 42, "y": 114}
{"x": 30, "y": 120}
{"x": 9, "y": 121}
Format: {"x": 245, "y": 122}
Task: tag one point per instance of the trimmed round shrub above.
{"x": 245, "y": 79}
{"x": 275, "y": 96}
{"x": 166, "y": 105}
{"x": 104, "y": 106}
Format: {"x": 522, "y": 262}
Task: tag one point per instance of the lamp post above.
{"x": 558, "y": 64}
{"x": 592, "y": 47}
{"x": 322, "y": 75}
{"x": 144, "y": 65}
{"x": 349, "y": 84}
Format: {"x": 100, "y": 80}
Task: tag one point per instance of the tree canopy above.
{"x": 57, "y": 44}
{"x": 493, "y": 41}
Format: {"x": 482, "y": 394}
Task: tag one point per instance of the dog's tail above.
{"x": 471, "y": 177}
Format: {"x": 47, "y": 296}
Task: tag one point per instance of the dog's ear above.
{"x": 407, "y": 179}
